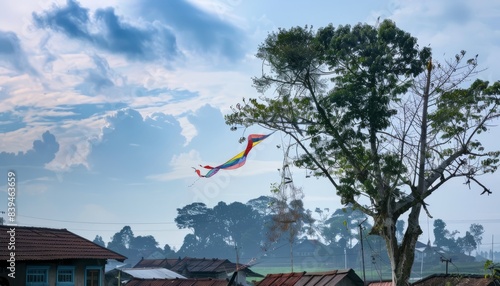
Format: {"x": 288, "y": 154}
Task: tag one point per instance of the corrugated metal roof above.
{"x": 455, "y": 280}
{"x": 285, "y": 279}
{"x": 311, "y": 278}
{"x": 164, "y": 263}
{"x": 36, "y": 243}
{"x": 152, "y": 273}
{"x": 198, "y": 265}
{"x": 201, "y": 266}
{"x": 380, "y": 283}
{"x": 177, "y": 282}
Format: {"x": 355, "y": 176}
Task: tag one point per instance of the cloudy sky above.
{"x": 105, "y": 108}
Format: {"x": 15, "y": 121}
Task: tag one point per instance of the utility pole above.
{"x": 237, "y": 261}
{"x": 362, "y": 249}
{"x": 446, "y": 261}
{"x": 345, "y": 258}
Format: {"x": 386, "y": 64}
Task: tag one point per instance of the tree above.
{"x": 120, "y": 242}
{"x": 374, "y": 114}
{"x": 342, "y": 226}
{"x": 197, "y": 217}
{"x": 168, "y": 251}
{"x": 443, "y": 238}
{"x": 219, "y": 230}
{"x": 144, "y": 245}
{"x": 477, "y": 231}
{"x": 262, "y": 204}
{"x": 98, "y": 240}
{"x": 467, "y": 243}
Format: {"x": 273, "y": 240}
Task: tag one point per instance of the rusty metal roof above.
{"x": 204, "y": 265}
{"x": 199, "y": 265}
{"x": 37, "y": 243}
{"x": 380, "y": 283}
{"x": 456, "y": 280}
{"x": 164, "y": 263}
{"x": 312, "y": 278}
{"x": 177, "y": 282}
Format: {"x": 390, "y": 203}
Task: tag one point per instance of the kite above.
{"x": 238, "y": 160}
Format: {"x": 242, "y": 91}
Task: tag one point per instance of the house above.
{"x": 126, "y": 274}
{"x": 201, "y": 267}
{"x": 456, "y": 280}
{"x": 336, "y": 277}
{"x": 422, "y": 250}
{"x": 38, "y": 256}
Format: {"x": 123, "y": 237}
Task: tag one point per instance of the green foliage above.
{"x": 219, "y": 229}
{"x": 493, "y": 269}
{"x": 342, "y": 227}
{"x": 134, "y": 248}
{"x": 375, "y": 115}
{"x": 368, "y": 67}
{"x": 477, "y": 231}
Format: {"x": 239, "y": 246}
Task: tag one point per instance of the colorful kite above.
{"x": 238, "y": 160}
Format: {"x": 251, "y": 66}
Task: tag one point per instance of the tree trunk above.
{"x": 402, "y": 256}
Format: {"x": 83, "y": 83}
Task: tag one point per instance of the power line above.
{"x": 94, "y": 222}
{"x": 486, "y": 220}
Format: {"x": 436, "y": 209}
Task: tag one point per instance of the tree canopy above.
{"x": 372, "y": 112}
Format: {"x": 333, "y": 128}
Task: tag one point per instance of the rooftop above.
{"x": 148, "y": 273}
{"x": 197, "y": 265}
{"x": 38, "y": 243}
{"x": 177, "y": 282}
{"x": 456, "y": 280}
{"x": 311, "y": 278}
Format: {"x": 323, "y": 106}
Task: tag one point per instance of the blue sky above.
{"x": 104, "y": 108}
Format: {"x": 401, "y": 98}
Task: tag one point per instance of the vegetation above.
{"x": 334, "y": 244}
{"x": 372, "y": 112}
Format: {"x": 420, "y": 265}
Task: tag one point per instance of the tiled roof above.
{"x": 177, "y": 282}
{"x": 36, "y": 243}
{"x": 311, "y": 278}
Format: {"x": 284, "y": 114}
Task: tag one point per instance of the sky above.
{"x": 105, "y": 106}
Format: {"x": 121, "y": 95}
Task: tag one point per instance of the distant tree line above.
{"x": 267, "y": 228}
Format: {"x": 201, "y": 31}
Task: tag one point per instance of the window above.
{"x": 65, "y": 276}
{"x": 93, "y": 276}
{"x": 37, "y": 276}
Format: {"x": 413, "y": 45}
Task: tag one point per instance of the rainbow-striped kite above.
{"x": 238, "y": 160}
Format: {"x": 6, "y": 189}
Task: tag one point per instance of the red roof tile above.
{"x": 36, "y": 243}
{"x": 177, "y": 282}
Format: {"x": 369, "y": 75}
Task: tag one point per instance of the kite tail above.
{"x": 238, "y": 160}
{"x": 209, "y": 174}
